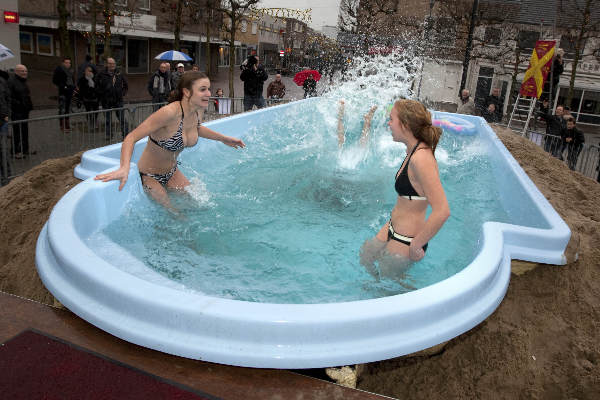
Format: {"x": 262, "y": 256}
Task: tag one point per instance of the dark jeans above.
{"x": 108, "y": 121}
{"x": 250, "y": 101}
{"x": 5, "y": 171}
{"x": 159, "y": 98}
{"x": 20, "y": 134}
{"x": 91, "y": 118}
{"x": 573, "y": 155}
{"x": 64, "y": 107}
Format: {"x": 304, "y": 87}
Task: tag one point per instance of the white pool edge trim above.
{"x": 281, "y": 335}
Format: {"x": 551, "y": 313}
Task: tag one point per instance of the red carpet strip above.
{"x": 34, "y": 365}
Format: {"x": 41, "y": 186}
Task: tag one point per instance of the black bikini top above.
{"x": 175, "y": 142}
{"x": 403, "y": 186}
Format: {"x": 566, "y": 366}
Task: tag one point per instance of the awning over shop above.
{"x": 125, "y": 31}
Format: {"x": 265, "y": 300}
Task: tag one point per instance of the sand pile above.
{"x": 543, "y": 342}
{"x": 25, "y": 205}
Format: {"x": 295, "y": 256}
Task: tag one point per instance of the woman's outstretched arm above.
{"x": 155, "y": 121}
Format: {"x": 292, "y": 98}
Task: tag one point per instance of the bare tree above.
{"x": 94, "y": 16}
{"x": 108, "y": 13}
{"x": 234, "y": 11}
{"x": 348, "y": 20}
{"x": 178, "y": 24}
{"x": 63, "y": 33}
{"x": 582, "y": 23}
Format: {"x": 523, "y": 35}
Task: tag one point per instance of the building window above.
{"x": 492, "y": 36}
{"x": 244, "y": 26}
{"x": 567, "y": 43}
{"x": 26, "y": 39}
{"x": 590, "y": 108}
{"x": 122, "y": 3}
{"x": 137, "y": 56}
{"x": 223, "y": 56}
{"x": 254, "y": 28}
{"x": 144, "y": 5}
{"x": 526, "y": 39}
{"x": 45, "y": 44}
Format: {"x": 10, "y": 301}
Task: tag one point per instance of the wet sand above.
{"x": 543, "y": 342}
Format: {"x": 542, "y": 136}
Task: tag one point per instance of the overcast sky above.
{"x": 324, "y": 12}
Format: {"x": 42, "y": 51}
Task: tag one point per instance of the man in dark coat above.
{"x": 310, "y": 87}
{"x": 573, "y": 139}
{"x": 555, "y": 124}
{"x": 4, "y": 117}
{"x": 159, "y": 85}
{"x": 112, "y": 88}
{"x": 276, "y": 89}
{"x": 20, "y": 107}
{"x": 63, "y": 79}
{"x": 495, "y": 99}
{"x": 254, "y": 77}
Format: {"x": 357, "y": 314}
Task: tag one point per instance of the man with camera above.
{"x": 254, "y": 77}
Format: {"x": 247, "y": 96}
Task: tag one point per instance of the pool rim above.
{"x": 282, "y": 335}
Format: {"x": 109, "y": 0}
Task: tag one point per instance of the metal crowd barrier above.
{"x": 27, "y": 143}
{"x": 584, "y": 159}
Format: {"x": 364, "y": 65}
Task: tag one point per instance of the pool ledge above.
{"x": 267, "y": 335}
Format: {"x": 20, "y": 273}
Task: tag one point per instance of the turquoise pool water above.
{"x": 283, "y": 220}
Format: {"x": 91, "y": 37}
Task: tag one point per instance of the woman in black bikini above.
{"x": 170, "y": 130}
{"x": 418, "y": 185}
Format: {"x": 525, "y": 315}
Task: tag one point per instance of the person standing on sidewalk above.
{"x": 4, "y": 114}
{"x": 176, "y": 76}
{"x": 20, "y": 107}
{"x": 159, "y": 85}
{"x": 89, "y": 95}
{"x": 111, "y": 88}
{"x": 254, "y": 77}
{"x": 276, "y": 89}
{"x": 63, "y": 79}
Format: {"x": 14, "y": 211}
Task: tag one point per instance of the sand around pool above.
{"x": 543, "y": 342}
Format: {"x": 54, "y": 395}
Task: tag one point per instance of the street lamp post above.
{"x": 426, "y": 36}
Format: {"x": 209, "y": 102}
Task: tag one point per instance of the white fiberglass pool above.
{"x": 139, "y": 305}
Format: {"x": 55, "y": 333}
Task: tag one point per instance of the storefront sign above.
{"x": 135, "y": 21}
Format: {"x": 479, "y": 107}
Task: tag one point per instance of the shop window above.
{"x": 26, "y": 39}
{"x": 45, "y": 44}
{"x": 137, "y": 56}
{"x": 590, "y": 108}
{"x": 575, "y": 100}
{"x": 223, "y": 56}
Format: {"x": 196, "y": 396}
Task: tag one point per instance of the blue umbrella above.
{"x": 5, "y": 53}
{"x": 173, "y": 55}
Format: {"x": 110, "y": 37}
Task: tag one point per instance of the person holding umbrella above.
{"x": 307, "y": 78}
{"x": 309, "y": 86}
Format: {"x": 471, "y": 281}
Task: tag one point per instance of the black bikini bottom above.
{"x": 392, "y": 235}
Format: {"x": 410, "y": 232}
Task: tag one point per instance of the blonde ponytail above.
{"x": 415, "y": 116}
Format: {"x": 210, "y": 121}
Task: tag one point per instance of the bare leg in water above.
{"x": 364, "y": 136}
{"x": 340, "y": 129}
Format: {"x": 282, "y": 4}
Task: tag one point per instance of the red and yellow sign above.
{"x": 539, "y": 68}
